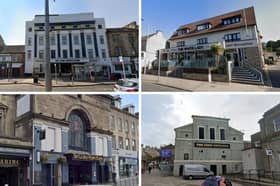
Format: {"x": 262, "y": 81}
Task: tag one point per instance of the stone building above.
{"x": 125, "y": 139}
{"x": 12, "y": 58}
{"x": 265, "y": 146}
{"x": 209, "y": 141}
{"x": 124, "y": 42}
{"x": 15, "y": 153}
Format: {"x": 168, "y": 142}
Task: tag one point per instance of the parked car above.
{"x": 216, "y": 181}
{"x": 196, "y": 171}
{"x": 127, "y": 85}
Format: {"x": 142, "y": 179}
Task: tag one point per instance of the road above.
{"x": 274, "y": 74}
{"x": 155, "y": 179}
{"x": 35, "y": 88}
{"x": 149, "y": 86}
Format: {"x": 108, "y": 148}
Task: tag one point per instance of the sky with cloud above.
{"x": 168, "y": 15}
{"x": 14, "y": 13}
{"x": 162, "y": 113}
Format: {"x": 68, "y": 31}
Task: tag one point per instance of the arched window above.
{"x": 78, "y": 125}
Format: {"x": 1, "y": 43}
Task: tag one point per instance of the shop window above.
{"x": 186, "y": 156}
{"x": 78, "y": 124}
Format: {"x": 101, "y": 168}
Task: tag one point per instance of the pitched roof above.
{"x": 217, "y": 23}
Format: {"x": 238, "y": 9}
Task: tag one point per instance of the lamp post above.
{"x": 123, "y": 66}
{"x": 48, "y": 77}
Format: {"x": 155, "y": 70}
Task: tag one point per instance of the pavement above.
{"x": 155, "y": 179}
{"x": 27, "y": 85}
{"x": 151, "y": 83}
{"x": 274, "y": 74}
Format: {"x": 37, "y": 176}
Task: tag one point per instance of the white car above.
{"x": 127, "y": 85}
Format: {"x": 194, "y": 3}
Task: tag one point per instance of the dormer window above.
{"x": 232, "y": 20}
{"x": 183, "y": 31}
{"x": 203, "y": 27}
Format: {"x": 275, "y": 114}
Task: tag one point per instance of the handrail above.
{"x": 255, "y": 69}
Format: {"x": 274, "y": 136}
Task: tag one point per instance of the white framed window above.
{"x": 103, "y": 53}
{"x": 126, "y": 126}
{"x": 53, "y": 40}
{"x": 41, "y": 40}
{"x": 120, "y": 125}
{"x": 90, "y": 53}
{"x": 29, "y": 41}
{"x": 89, "y": 39}
{"x": 76, "y": 39}
{"x": 120, "y": 142}
{"x": 201, "y": 132}
{"x": 29, "y": 54}
{"x": 112, "y": 120}
{"x": 222, "y": 134}
{"x": 127, "y": 144}
{"x": 101, "y": 40}
{"x": 212, "y": 134}
{"x": 64, "y": 40}
{"x": 41, "y": 54}
{"x": 134, "y": 145}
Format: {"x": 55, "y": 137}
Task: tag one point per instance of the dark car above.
{"x": 216, "y": 181}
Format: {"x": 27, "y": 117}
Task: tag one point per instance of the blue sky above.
{"x": 14, "y": 13}
{"x": 130, "y": 99}
{"x": 168, "y": 15}
{"x": 162, "y": 113}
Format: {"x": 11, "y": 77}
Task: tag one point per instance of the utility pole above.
{"x": 48, "y": 77}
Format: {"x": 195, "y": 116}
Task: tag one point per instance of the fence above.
{"x": 131, "y": 181}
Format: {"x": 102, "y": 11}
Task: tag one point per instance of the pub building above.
{"x": 209, "y": 141}
{"x": 15, "y": 162}
{"x": 69, "y": 151}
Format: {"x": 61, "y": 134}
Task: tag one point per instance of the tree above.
{"x": 217, "y": 50}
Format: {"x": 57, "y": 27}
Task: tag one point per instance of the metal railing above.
{"x": 131, "y": 181}
{"x": 255, "y": 69}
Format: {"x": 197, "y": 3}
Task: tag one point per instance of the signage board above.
{"x": 84, "y": 157}
{"x": 165, "y": 153}
{"x": 212, "y": 145}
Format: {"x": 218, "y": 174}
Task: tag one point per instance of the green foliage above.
{"x": 272, "y": 46}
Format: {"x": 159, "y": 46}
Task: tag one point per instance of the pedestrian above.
{"x": 114, "y": 175}
{"x": 150, "y": 169}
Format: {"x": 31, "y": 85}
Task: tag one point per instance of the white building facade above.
{"x": 76, "y": 41}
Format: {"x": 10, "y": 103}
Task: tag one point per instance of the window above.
{"x": 212, "y": 133}
{"x": 53, "y": 54}
{"x": 234, "y": 138}
{"x": 76, "y": 40}
{"x": 120, "y": 67}
{"x": 41, "y": 54}
{"x": 183, "y": 31}
{"x": 77, "y": 53}
{"x": 120, "y": 142}
{"x": 29, "y": 54}
{"x": 232, "y": 37}
{"x": 29, "y": 41}
{"x": 133, "y": 127}
{"x": 89, "y": 39}
{"x": 41, "y": 40}
{"x": 202, "y": 41}
{"x": 53, "y": 40}
{"x": 131, "y": 39}
{"x": 186, "y": 156}
{"x": 276, "y": 123}
{"x": 100, "y": 26}
{"x": 126, "y": 127}
{"x": 203, "y": 27}
{"x": 112, "y": 120}
{"x": 65, "y": 54}
{"x": 180, "y": 43}
{"x": 103, "y": 53}
{"x": 118, "y": 51}
{"x": 201, "y": 133}
{"x": 90, "y": 53}
{"x": 116, "y": 38}
{"x": 29, "y": 29}
{"x": 127, "y": 144}
{"x": 232, "y": 20}
{"x": 101, "y": 39}
{"x": 222, "y": 134}
{"x": 78, "y": 123}
{"x": 134, "y": 145}
{"x": 64, "y": 40}
{"x": 120, "y": 125}
{"x": 114, "y": 142}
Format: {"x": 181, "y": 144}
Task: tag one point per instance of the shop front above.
{"x": 14, "y": 167}
{"x": 87, "y": 169}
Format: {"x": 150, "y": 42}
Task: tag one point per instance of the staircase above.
{"x": 246, "y": 75}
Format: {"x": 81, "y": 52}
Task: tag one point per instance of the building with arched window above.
{"x": 70, "y": 138}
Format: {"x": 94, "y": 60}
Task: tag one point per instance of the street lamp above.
{"x": 123, "y": 67}
{"x": 48, "y": 77}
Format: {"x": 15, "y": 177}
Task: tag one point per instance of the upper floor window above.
{"x": 120, "y": 125}
{"x": 222, "y": 134}
{"x": 76, "y": 40}
{"x": 232, "y": 20}
{"x": 126, "y": 127}
{"x": 202, "y": 41}
{"x": 64, "y": 40}
{"x": 133, "y": 145}
{"x": 89, "y": 39}
{"x": 120, "y": 142}
{"x": 127, "y": 144}
{"x": 103, "y": 52}
{"x": 232, "y": 37}
{"x": 29, "y": 54}
{"x": 133, "y": 127}
{"x": 112, "y": 120}
{"x": 29, "y": 41}
{"x": 78, "y": 124}
{"x": 212, "y": 133}
{"x": 41, "y": 40}
{"x": 201, "y": 133}
{"x": 52, "y": 40}
{"x": 276, "y": 123}
{"x": 114, "y": 142}
{"x": 183, "y": 31}
{"x": 100, "y": 26}
{"x": 180, "y": 43}
{"x": 101, "y": 40}
{"x": 186, "y": 156}
{"x": 203, "y": 27}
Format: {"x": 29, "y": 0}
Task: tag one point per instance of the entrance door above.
{"x": 181, "y": 170}
{"x": 224, "y": 169}
{"x": 213, "y": 168}
{"x": 235, "y": 58}
{"x": 9, "y": 176}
